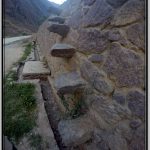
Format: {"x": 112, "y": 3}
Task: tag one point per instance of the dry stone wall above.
{"x": 108, "y": 37}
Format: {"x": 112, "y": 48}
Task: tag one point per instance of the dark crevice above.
{"x": 19, "y": 71}
{"x": 53, "y": 112}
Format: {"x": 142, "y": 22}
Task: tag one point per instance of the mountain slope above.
{"x": 24, "y": 16}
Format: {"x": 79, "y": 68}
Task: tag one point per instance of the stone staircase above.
{"x": 101, "y": 112}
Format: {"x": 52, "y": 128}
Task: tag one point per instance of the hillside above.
{"x": 23, "y": 17}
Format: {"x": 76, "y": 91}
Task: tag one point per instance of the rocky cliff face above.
{"x": 107, "y": 68}
{"x": 24, "y": 16}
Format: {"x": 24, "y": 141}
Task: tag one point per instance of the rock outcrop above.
{"x": 108, "y": 37}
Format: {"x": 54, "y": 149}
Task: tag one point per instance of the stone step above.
{"x": 35, "y": 70}
{"x": 60, "y": 29}
{"x": 77, "y": 131}
{"x": 57, "y": 19}
{"x": 68, "y": 83}
{"x": 62, "y": 50}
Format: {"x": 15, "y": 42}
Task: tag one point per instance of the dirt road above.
{"x": 15, "y": 39}
{"x": 13, "y": 50}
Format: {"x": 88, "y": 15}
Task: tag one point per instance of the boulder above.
{"x": 62, "y": 50}
{"x": 102, "y": 85}
{"x": 124, "y": 66}
{"x": 97, "y": 58}
{"x": 119, "y": 97}
{"x": 110, "y": 140}
{"x": 100, "y": 13}
{"x": 114, "y": 35}
{"x": 105, "y": 112}
{"x": 136, "y": 34}
{"x": 57, "y": 19}
{"x": 92, "y": 41}
{"x": 90, "y": 71}
{"x": 136, "y": 103}
{"x": 67, "y": 83}
{"x": 60, "y": 29}
{"x": 134, "y": 124}
{"x": 96, "y": 78}
{"x": 75, "y": 132}
{"x": 130, "y": 12}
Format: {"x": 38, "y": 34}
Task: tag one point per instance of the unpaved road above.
{"x": 15, "y": 39}
{"x": 13, "y": 50}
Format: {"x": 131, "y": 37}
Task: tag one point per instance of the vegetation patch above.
{"x": 78, "y": 109}
{"x": 19, "y": 104}
{"x": 28, "y": 49}
{"x": 19, "y": 108}
{"x": 10, "y": 77}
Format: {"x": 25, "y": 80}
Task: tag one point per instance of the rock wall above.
{"x": 108, "y": 37}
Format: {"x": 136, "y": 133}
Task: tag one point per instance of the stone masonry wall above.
{"x": 109, "y": 39}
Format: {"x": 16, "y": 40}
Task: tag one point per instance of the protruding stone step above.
{"x": 62, "y": 50}
{"x": 69, "y": 83}
{"x": 60, "y": 29}
{"x": 57, "y": 19}
{"x": 77, "y": 131}
{"x": 35, "y": 70}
